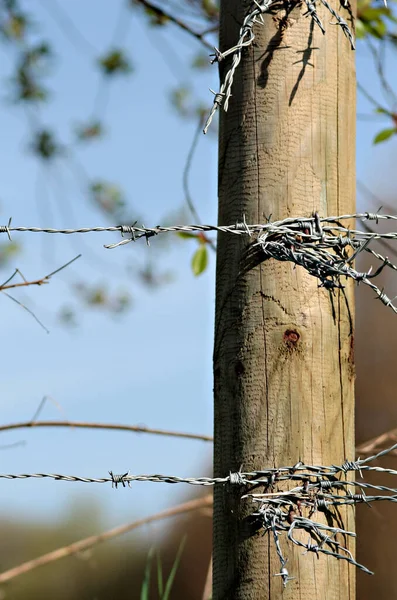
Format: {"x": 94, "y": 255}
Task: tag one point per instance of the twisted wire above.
{"x": 246, "y": 38}
{"x": 324, "y": 247}
{"x": 320, "y": 488}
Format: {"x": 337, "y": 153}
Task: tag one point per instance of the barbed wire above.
{"x": 317, "y": 489}
{"x": 246, "y": 38}
{"x": 323, "y": 246}
{"x": 123, "y": 479}
{"x": 288, "y": 225}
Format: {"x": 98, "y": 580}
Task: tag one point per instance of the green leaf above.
{"x": 186, "y": 235}
{"x": 371, "y": 20}
{"x": 7, "y": 251}
{"x": 200, "y": 260}
{"x": 201, "y": 61}
{"x": 145, "y": 589}
{"x": 378, "y": 28}
{"x": 382, "y": 111}
{"x": 210, "y": 8}
{"x": 115, "y": 62}
{"x": 16, "y": 26}
{"x": 385, "y": 134}
{"x": 180, "y": 100}
{"x": 156, "y": 17}
{"x": 175, "y": 566}
{"x": 361, "y": 30}
{"x": 45, "y": 145}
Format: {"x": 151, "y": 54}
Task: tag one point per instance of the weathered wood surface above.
{"x": 283, "y": 369}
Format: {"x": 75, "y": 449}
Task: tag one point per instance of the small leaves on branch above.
{"x": 200, "y": 260}
{"x": 32, "y": 65}
{"x": 14, "y": 27}
{"x": 8, "y": 251}
{"x": 200, "y": 257}
{"x": 89, "y": 131}
{"x": 181, "y": 100}
{"x": 45, "y": 146}
{"x": 385, "y": 134}
{"x": 107, "y": 196}
{"x": 206, "y": 11}
{"x": 373, "y": 20}
{"x": 9, "y": 284}
{"x": 100, "y": 297}
{"x": 115, "y": 62}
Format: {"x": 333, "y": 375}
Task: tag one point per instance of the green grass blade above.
{"x": 160, "y": 584}
{"x": 173, "y": 571}
{"x": 145, "y": 589}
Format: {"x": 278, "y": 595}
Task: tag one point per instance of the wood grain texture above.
{"x": 283, "y": 369}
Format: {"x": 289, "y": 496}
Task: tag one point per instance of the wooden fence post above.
{"x": 283, "y": 365}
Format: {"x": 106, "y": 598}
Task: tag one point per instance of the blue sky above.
{"x": 152, "y": 365}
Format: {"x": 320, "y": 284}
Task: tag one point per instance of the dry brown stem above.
{"x": 92, "y": 540}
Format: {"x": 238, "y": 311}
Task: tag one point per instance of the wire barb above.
{"x": 309, "y": 489}
{"x": 246, "y": 38}
{"x": 117, "y": 479}
{"x": 323, "y": 246}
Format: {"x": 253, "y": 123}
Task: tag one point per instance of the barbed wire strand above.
{"x": 265, "y": 477}
{"x": 318, "y": 244}
{"x": 246, "y": 38}
{"x": 321, "y": 488}
{"x": 93, "y": 540}
{"x": 289, "y": 225}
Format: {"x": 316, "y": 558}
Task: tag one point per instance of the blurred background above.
{"x": 100, "y": 118}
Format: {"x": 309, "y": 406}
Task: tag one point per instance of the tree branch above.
{"x": 91, "y": 541}
{"x": 109, "y": 426}
{"x": 166, "y": 15}
{"x": 374, "y": 445}
{"x": 207, "y": 593}
{"x": 7, "y": 285}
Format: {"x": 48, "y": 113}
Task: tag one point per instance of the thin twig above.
{"x": 207, "y": 593}
{"x": 170, "y": 17}
{"x": 371, "y": 99}
{"x": 365, "y": 448}
{"x": 380, "y": 66}
{"x": 187, "y": 168}
{"x": 92, "y": 540}
{"x": 186, "y": 174}
{"x": 108, "y": 426}
{"x": 35, "y": 317}
{"x": 68, "y": 26}
{"x": 377, "y": 443}
{"x": 7, "y": 285}
{"x": 41, "y": 406}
